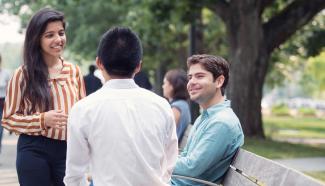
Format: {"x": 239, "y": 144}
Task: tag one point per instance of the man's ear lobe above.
{"x": 220, "y": 80}
{"x": 138, "y": 68}
{"x": 99, "y": 64}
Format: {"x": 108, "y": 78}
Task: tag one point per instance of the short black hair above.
{"x": 92, "y": 68}
{"x": 120, "y": 51}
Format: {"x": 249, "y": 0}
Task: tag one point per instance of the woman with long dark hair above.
{"x": 174, "y": 89}
{"x": 39, "y": 97}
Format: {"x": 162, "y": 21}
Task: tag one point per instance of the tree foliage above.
{"x": 313, "y": 80}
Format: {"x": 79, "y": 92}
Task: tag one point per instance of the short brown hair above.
{"x": 214, "y": 64}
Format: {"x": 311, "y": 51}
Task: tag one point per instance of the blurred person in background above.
{"x": 4, "y": 79}
{"x": 174, "y": 89}
{"x": 92, "y": 83}
{"x": 141, "y": 79}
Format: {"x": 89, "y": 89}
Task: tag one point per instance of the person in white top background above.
{"x": 4, "y": 79}
{"x": 126, "y": 134}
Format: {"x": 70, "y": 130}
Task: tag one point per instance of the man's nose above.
{"x": 191, "y": 81}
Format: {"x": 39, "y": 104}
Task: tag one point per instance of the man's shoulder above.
{"x": 225, "y": 118}
{"x": 152, "y": 97}
{"x": 88, "y": 100}
{"x": 226, "y": 114}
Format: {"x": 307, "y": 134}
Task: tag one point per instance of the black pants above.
{"x": 40, "y": 161}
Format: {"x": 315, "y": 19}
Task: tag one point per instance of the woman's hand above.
{"x": 55, "y": 119}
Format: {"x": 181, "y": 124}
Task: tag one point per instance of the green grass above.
{"x": 289, "y": 127}
{"x": 317, "y": 175}
{"x": 277, "y": 150}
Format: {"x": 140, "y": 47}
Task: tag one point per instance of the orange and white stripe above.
{"x": 66, "y": 89}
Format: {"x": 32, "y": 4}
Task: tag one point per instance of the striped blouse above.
{"x": 67, "y": 87}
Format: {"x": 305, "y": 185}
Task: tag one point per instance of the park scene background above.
{"x": 276, "y": 49}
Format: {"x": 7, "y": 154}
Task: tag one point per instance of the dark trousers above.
{"x": 40, "y": 161}
{"x": 1, "y": 128}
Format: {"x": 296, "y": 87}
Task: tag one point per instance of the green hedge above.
{"x": 307, "y": 112}
{"x": 281, "y": 110}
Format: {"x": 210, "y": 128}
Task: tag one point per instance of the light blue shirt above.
{"x": 213, "y": 141}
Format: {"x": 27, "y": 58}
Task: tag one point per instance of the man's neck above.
{"x": 218, "y": 98}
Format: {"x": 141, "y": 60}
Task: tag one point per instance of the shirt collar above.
{"x": 216, "y": 108}
{"x": 59, "y": 74}
{"x": 121, "y": 84}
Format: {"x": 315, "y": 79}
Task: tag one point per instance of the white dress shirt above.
{"x": 126, "y": 134}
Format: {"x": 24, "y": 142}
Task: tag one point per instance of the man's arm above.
{"x": 77, "y": 149}
{"x": 209, "y": 150}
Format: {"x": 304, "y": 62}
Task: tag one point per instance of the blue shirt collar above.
{"x": 121, "y": 84}
{"x": 216, "y": 108}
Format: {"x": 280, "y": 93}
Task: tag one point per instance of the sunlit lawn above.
{"x": 278, "y": 150}
{"x": 318, "y": 175}
{"x": 289, "y": 127}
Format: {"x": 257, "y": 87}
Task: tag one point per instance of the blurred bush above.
{"x": 280, "y": 110}
{"x": 306, "y": 111}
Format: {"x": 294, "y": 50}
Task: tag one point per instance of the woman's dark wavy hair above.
{"x": 178, "y": 79}
{"x": 37, "y": 90}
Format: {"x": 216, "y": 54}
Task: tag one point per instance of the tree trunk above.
{"x": 248, "y": 60}
{"x": 196, "y": 47}
{"x": 160, "y": 73}
{"x": 251, "y": 44}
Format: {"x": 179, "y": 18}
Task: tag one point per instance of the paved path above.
{"x": 8, "y": 175}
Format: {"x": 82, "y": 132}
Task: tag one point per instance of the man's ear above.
{"x": 138, "y": 68}
{"x": 99, "y": 64}
{"x": 219, "y": 81}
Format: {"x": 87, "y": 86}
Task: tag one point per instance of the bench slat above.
{"x": 265, "y": 171}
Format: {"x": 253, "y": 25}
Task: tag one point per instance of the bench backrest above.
{"x": 185, "y": 136}
{"x": 267, "y": 172}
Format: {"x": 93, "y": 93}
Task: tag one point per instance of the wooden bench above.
{"x": 185, "y": 136}
{"x": 249, "y": 169}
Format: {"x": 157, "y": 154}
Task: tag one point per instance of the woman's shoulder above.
{"x": 179, "y": 102}
{"x": 71, "y": 66}
{"x": 182, "y": 104}
{"x": 18, "y": 74}
{"x": 20, "y": 70}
